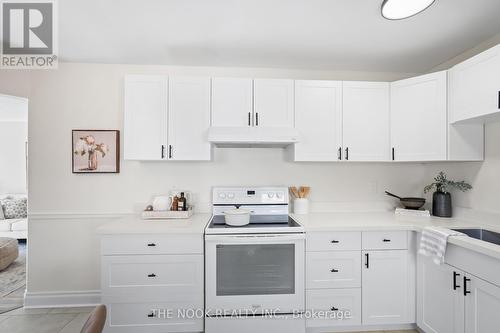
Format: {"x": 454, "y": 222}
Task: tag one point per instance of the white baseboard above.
{"x": 61, "y": 299}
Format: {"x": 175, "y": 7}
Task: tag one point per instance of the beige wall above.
{"x": 66, "y": 208}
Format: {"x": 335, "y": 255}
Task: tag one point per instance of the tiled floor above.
{"x": 61, "y": 320}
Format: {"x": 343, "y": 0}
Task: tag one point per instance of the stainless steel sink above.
{"x": 482, "y": 234}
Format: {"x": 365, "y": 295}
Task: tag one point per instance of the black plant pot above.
{"x": 441, "y": 204}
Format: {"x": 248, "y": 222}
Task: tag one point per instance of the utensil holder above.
{"x": 300, "y": 206}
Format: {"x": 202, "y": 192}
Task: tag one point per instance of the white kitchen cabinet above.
{"x": 366, "y": 121}
{"x": 145, "y": 116}
{"x": 318, "y": 112}
{"x": 342, "y": 307}
{"x": 419, "y": 118}
{"x": 188, "y": 118}
{"x": 482, "y": 306}
{"x": 166, "y": 118}
{"x": 148, "y": 280}
{"x": 232, "y": 102}
{"x": 386, "y": 289}
{"x": 273, "y": 103}
{"x": 475, "y": 88}
{"x": 340, "y": 269}
{"x": 440, "y": 302}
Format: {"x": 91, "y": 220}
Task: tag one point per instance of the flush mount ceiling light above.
{"x": 401, "y": 9}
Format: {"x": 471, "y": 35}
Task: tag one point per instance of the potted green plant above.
{"x": 441, "y": 199}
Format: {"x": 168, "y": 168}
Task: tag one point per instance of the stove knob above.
{"x": 230, "y": 195}
{"x": 279, "y": 195}
{"x": 222, "y": 195}
{"x": 270, "y": 195}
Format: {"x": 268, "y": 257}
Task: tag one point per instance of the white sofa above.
{"x": 14, "y": 228}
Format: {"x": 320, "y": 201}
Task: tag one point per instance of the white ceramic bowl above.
{"x": 237, "y": 217}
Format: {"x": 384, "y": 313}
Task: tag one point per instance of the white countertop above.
{"x": 136, "y": 225}
{"x": 319, "y": 222}
{"x": 354, "y": 221}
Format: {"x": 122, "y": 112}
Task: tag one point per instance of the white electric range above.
{"x": 254, "y": 273}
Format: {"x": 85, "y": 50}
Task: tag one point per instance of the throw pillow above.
{"x": 15, "y": 208}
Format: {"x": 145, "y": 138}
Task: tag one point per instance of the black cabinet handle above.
{"x": 393, "y": 154}
{"x": 151, "y": 315}
{"x": 256, "y": 119}
{"x": 465, "y": 286}
{"x": 169, "y": 151}
{"x": 334, "y": 309}
{"x": 347, "y": 154}
{"x": 334, "y": 241}
{"x": 162, "y": 151}
{"x": 151, "y": 244}
{"x": 367, "y": 262}
{"x": 249, "y": 118}
{"x": 340, "y": 154}
{"x": 152, "y": 275}
{"x": 333, "y": 270}
{"x": 499, "y": 99}
{"x": 455, "y": 285}
{"x": 385, "y": 240}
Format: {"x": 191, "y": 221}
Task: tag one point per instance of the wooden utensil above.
{"x": 294, "y": 191}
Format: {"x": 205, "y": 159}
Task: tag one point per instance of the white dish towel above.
{"x": 433, "y": 242}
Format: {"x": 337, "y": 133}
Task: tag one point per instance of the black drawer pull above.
{"x": 367, "y": 262}
{"x": 152, "y": 275}
{"x": 151, "y": 244}
{"x": 386, "y": 240}
{"x": 335, "y": 242}
{"x": 333, "y": 270}
{"x": 151, "y": 315}
{"x": 465, "y": 286}
{"x": 334, "y": 309}
{"x": 455, "y": 285}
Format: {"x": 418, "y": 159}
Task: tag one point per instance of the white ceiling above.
{"x": 306, "y": 34}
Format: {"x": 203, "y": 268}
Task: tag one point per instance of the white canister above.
{"x": 161, "y": 203}
{"x": 300, "y": 206}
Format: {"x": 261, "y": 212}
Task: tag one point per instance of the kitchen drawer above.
{"x": 152, "y": 244}
{"x": 385, "y": 240}
{"x": 165, "y": 274}
{"x": 322, "y": 302}
{"x": 333, "y": 269}
{"x": 146, "y": 317}
{"x": 333, "y": 241}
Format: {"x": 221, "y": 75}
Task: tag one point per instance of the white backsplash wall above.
{"x": 65, "y": 208}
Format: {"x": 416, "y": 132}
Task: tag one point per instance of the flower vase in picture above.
{"x": 96, "y": 151}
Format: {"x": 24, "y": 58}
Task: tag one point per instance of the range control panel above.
{"x": 249, "y": 195}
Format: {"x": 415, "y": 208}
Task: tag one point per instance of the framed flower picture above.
{"x": 96, "y": 151}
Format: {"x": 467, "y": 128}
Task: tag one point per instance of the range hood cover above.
{"x": 252, "y": 136}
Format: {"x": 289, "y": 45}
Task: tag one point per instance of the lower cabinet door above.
{"x": 482, "y": 306}
{"x": 333, "y": 307}
{"x": 387, "y": 292}
{"x": 154, "y": 317}
{"x": 440, "y": 301}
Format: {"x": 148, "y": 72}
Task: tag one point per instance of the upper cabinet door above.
{"x": 145, "y": 102}
{"x": 273, "y": 103}
{"x": 419, "y": 118}
{"x": 366, "y": 119}
{"x": 318, "y": 113}
{"x": 475, "y": 88}
{"x": 232, "y": 102}
{"x": 188, "y": 118}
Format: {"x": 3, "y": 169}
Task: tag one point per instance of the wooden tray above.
{"x": 168, "y": 214}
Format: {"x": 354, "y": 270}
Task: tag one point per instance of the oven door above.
{"x": 255, "y": 273}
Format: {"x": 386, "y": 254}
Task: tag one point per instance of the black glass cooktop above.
{"x": 257, "y": 221}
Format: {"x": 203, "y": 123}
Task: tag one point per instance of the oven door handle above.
{"x": 254, "y": 239}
